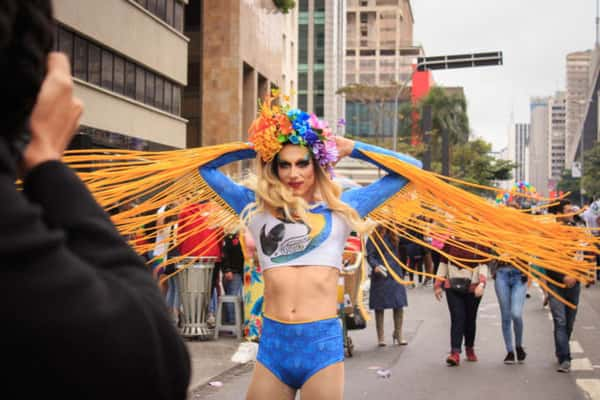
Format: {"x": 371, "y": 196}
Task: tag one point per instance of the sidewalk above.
{"x": 211, "y": 358}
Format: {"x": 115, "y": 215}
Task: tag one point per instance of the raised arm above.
{"x": 237, "y": 196}
{"x": 366, "y": 199}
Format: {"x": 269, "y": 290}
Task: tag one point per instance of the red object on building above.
{"x": 205, "y": 242}
{"x": 421, "y": 83}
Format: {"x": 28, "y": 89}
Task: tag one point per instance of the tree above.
{"x": 449, "y": 114}
{"x": 569, "y": 184}
{"x": 591, "y": 171}
{"x": 472, "y": 162}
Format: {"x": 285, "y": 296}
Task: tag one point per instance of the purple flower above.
{"x": 311, "y": 137}
{"x": 341, "y": 122}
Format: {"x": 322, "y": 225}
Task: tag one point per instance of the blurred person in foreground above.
{"x": 83, "y": 317}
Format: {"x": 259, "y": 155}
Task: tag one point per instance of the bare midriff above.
{"x": 301, "y": 294}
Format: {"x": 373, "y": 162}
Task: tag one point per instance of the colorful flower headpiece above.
{"x": 277, "y": 125}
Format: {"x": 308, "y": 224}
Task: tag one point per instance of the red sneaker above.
{"x": 471, "y": 356}
{"x": 453, "y": 359}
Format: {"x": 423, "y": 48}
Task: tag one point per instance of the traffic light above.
{"x": 459, "y": 61}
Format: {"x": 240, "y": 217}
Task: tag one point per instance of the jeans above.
{"x": 564, "y": 319}
{"x": 463, "y": 316}
{"x": 172, "y": 297}
{"x": 511, "y": 291}
{"x": 232, "y": 287}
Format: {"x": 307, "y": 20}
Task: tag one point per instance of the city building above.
{"x": 248, "y": 48}
{"x": 380, "y": 52}
{"x": 518, "y": 150}
{"x": 539, "y": 135}
{"x": 129, "y": 63}
{"x": 578, "y": 82}
{"x": 321, "y": 45}
{"x": 557, "y": 138}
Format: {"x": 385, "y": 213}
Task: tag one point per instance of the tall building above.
{"x": 379, "y": 52}
{"x": 129, "y": 62}
{"x": 557, "y": 138}
{"x": 539, "y": 134}
{"x": 321, "y": 41}
{"x": 518, "y": 150}
{"x": 248, "y": 48}
{"x": 578, "y": 82}
{"x": 379, "y": 42}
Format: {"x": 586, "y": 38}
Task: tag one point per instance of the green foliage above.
{"x": 591, "y": 171}
{"x": 285, "y": 5}
{"x": 569, "y": 184}
{"x": 472, "y": 162}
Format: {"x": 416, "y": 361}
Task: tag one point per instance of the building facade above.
{"x": 557, "y": 138}
{"x": 518, "y": 151}
{"x": 248, "y": 48}
{"x": 578, "y": 82}
{"x": 539, "y": 171}
{"x": 129, "y": 63}
{"x": 321, "y": 41}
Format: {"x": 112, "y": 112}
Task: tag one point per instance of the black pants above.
{"x": 463, "y": 316}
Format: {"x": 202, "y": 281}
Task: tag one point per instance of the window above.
{"x": 94, "y": 64}
{"x": 140, "y": 84}
{"x": 319, "y": 32}
{"x": 119, "y": 78}
{"x": 169, "y": 12}
{"x": 149, "y": 98}
{"x": 159, "y": 94}
{"x": 319, "y": 5}
{"x": 161, "y": 9}
{"x": 176, "y": 100}
{"x": 168, "y": 102}
{"x": 130, "y": 80}
{"x": 107, "y": 70}
{"x": 319, "y": 82}
{"x": 302, "y": 101}
{"x": 80, "y": 59}
{"x": 103, "y": 67}
{"x": 303, "y": 44}
{"x": 178, "y": 16}
{"x": 65, "y": 43}
{"x": 302, "y": 80}
{"x": 303, "y": 6}
{"x": 364, "y": 18}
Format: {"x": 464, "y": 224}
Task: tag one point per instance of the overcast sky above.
{"x": 535, "y": 37}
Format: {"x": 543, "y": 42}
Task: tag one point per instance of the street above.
{"x": 418, "y": 371}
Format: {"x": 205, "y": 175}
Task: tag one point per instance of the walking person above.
{"x": 563, "y": 316}
{"x": 232, "y": 266}
{"x": 511, "y": 289}
{"x": 82, "y": 316}
{"x": 464, "y": 289}
{"x": 384, "y": 292}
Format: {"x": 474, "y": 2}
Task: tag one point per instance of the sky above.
{"x": 535, "y": 37}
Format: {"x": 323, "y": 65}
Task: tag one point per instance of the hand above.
{"x": 438, "y": 293}
{"x": 479, "y": 290}
{"x": 569, "y": 281}
{"x": 344, "y": 146}
{"x": 55, "y": 116}
{"x": 228, "y": 276}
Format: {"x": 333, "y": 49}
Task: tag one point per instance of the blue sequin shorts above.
{"x": 294, "y": 352}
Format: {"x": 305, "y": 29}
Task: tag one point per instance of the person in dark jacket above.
{"x": 232, "y": 265}
{"x": 563, "y": 316}
{"x": 82, "y": 315}
{"x": 385, "y": 292}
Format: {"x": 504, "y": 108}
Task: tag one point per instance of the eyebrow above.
{"x": 304, "y": 159}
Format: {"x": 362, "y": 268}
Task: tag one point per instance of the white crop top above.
{"x": 282, "y": 244}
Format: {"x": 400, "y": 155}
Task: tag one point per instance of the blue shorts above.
{"x": 294, "y": 352}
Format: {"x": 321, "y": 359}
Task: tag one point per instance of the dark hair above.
{"x": 26, "y": 38}
{"x": 559, "y": 208}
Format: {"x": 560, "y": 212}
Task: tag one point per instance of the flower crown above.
{"x": 277, "y": 125}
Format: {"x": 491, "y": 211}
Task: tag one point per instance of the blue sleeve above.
{"x": 236, "y": 196}
{"x": 366, "y": 199}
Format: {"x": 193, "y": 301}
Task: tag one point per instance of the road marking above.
{"x": 581, "y": 364}
{"x": 575, "y": 347}
{"x": 588, "y": 328}
{"x": 591, "y": 387}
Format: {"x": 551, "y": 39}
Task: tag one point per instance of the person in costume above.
{"x": 299, "y": 221}
{"x": 82, "y": 315}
